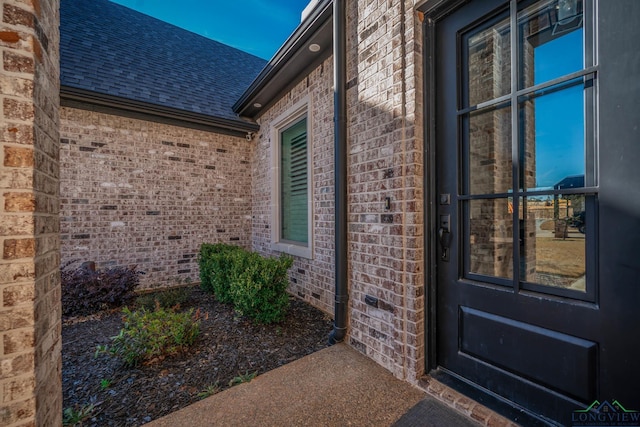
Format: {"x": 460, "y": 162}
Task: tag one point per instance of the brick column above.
{"x": 30, "y": 327}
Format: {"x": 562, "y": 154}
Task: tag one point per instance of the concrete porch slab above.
{"x": 336, "y": 386}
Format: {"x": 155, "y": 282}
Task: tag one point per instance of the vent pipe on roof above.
{"x": 340, "y": 164}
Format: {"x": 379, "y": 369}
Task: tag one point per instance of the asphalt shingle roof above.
{"x": 113, "y": 50}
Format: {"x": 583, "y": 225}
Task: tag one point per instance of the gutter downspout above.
{"x": 340, "y": 167}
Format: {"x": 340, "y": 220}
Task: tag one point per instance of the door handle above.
{"x": 444, "y": 236}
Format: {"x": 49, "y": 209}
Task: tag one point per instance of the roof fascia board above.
{"x": 285, "y": 82}
{"x": 235, "y": 127}
{"x": 267, "y": 81}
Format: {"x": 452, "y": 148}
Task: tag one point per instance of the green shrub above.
{"x": 255, "y": 285}
{"x": 213, "y": 261}
{"x": 259, "y": 285}
{"x": 149, "y": 334}
{"x": 165, "y": 298}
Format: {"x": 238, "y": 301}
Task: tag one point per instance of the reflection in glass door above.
{"x": 529, "y": 183}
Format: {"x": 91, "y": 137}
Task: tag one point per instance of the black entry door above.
{"x": 538, "y": 219}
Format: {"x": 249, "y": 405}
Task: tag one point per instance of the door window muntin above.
{"x": 523, "y": 91}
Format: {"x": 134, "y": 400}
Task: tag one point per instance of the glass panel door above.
{"x": 536, "y": 236}
{"x": 527, "y": 148}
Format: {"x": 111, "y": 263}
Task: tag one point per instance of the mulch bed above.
{"x": 227, "y": 348}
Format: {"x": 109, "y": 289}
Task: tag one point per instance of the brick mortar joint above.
{"x": 19, "y": 122}
{"x": 21, "y": 261}
{"x": 25, "y": 75}
{"x": 28, "y": 375}
{"x": 25, "y": 236}
{"x": 21, "y": 30}
{"x": 18, "y": 284}
{"x": 13, "y": 308}
{"x": 18, "y": 145}
{"x": 22, "y": 329}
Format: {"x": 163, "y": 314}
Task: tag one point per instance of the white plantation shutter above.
{"x": 294, "y": 183}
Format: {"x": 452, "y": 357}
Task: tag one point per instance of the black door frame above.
{"x": 434, "y": 11}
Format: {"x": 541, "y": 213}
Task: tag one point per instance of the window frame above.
{"x": 284, "y": 121}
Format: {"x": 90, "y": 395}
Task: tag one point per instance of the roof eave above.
{"x": 237, "y": 127}
{"x": 292, "y": 63}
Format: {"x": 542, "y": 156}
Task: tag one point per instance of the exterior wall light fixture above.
{"x": 569, "y": 16}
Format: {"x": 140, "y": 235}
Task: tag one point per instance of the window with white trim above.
{"x": 291, "y": 213}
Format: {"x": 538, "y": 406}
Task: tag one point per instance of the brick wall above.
{"x": 310, "y": 279}
{"x": 386, "y": 248}
{"x": 146, "y": 193}
{"x": 386, "y": 253}
{"x": 30, "y": 363}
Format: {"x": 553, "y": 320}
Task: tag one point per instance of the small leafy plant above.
{"x": 147, "y": 335}
{"x": 86, "y": 291}
{"x": 105, "y": 384}
{"x": 243, "y": 378}
{"x": 75, "y": 415}
{"x": 210, "y": 390}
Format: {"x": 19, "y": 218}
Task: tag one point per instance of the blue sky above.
{"x": 559, "y": 117}
{"x": 259, "y": 27}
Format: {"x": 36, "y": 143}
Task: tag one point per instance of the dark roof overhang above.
{"x": 85, "y": 99}
{"x": 574, "y": 181}
{"x": 291, "y": 63}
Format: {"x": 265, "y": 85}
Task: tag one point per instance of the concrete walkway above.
{"x": 336, "y": 386}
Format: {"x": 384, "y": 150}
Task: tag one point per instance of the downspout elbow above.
{"x": 337, "y": 335}
{"x": 339, "y": 332}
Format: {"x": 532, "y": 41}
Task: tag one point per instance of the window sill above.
{"x": 292, "y": 249}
